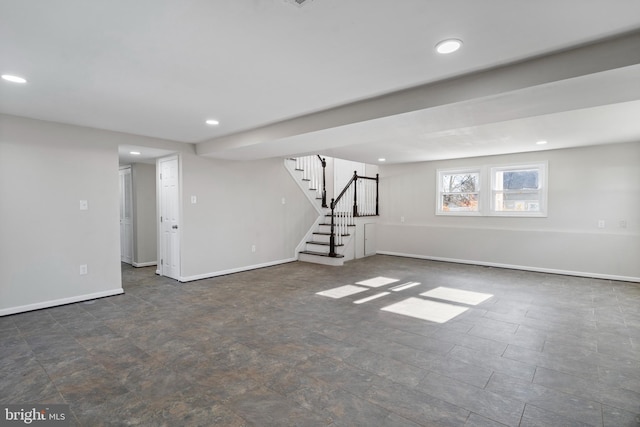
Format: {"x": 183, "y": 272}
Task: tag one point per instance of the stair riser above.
{"x": 323, "y": 238}
{"x": 323, "y": 248}
{"x": 321, "y": 259}
{"x": 323, "y": 228}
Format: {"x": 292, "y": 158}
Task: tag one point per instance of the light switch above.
{"x": 84, "y": 205}
{"x": 194, "y": 200}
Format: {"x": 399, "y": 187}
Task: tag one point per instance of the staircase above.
{"x": 318, "y": 249}
{"x": 321, "y": 246}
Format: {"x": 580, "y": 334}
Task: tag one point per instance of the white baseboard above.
{"x": 518, "y": 267}
{"x": 144, "y": 264}
{"x": 234, "y": 270}
{"x": 62, "y": 301}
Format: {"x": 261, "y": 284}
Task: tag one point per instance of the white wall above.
{"x": 239, "y": 204}
{"x": 144, "y": 214}
{"x": 585, "y": 185}
{"x": 45, "y": 170}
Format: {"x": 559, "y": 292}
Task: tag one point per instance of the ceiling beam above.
{"x": 605, "y": 55}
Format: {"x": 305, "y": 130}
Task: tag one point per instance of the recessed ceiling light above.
{"x": 14, "y": 79}
{"x": 382, "y": 159}
{"x": 541, "y": 142}
{"x": 135, "y": 153}
{"x": 212, "y": 122}
{"x": 448, "y": 46}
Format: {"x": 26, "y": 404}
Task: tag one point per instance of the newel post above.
{"x": 377, "y": 181}
{"x": 355, "y": 193}
{"x": 332, "y": 238}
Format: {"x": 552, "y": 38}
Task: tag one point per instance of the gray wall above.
{"x": 144, "y": 214}
{"x": 585, "y": 185}
{"x": 45, "y": 170}
{"x": 239, "y": 204}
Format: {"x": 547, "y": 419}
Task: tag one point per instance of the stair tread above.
{"x": 329, "y": 234}
{"x": 320, "y": 254}
{"x": 321, "y": 243}
{"x": 335, "y": 225}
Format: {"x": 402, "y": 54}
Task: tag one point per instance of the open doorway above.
{"x": 139, "y": 239}
{"x": 126, "y": 217}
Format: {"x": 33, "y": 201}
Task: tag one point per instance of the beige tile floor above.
{"x": 262, "y": 348}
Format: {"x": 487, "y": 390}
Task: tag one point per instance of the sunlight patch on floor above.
{"x": 371, "y": 298}
{"x": 457, "y": 295}
{"x": 377, "y": 282}
{"x": 342, "y": 291}
{"x": 426, "y": 310}
{"x": 405, "y": 286}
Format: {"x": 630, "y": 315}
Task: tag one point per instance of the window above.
{"x": 518, "y": 190}
{"x": 458, "y": 192}
{"x": 508, "y": 190}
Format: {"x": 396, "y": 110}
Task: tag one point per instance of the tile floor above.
{"x": 261, "y": 348}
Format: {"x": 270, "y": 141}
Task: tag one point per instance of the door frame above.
{"x": 159, "y": 222}
{"x": 123, "y": 199}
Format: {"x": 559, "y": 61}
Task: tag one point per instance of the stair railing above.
{"x": 343, "y": 210}
{"x": 314, "y": 171}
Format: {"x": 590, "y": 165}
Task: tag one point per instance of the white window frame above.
{"x": 541, "y": 167}
{"x": 440, "y": 192}
{"x": 487, "y": 189}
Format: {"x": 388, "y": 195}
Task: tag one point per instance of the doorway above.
{"x": 126, "y": 216}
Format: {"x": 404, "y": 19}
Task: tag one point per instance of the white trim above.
{"x": 517, "y": 267}
{"x": 235, "y": 270}
{"x": 62, "y": 301}
{"x": 144, "y": 264}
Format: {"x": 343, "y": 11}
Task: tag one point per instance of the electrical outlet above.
{"x": 83, "y": 269}
{"x": 284, "y": 201}
{"x": 401, "y": 219}
{"x": 84, "y": 205}
{"x": 623, "y": 224}
{"x": 253, "y": 248}
{"x": 601, "y": 223}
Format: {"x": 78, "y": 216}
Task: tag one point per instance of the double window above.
{"x": 507, "y": 190}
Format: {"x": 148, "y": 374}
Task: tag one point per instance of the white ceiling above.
{"x": 160, "y": 68}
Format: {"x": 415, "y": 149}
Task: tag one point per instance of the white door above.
{"x": 369, "y": 239}
{"x": 126, "y": 216}
{"x": 169, "y": 217}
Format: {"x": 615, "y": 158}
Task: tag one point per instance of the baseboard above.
{"x": 518, "y": 267}
{"x": 144, "y": 264}
{"x": 235, "y": 270}
{"x": 62, "y": 301}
